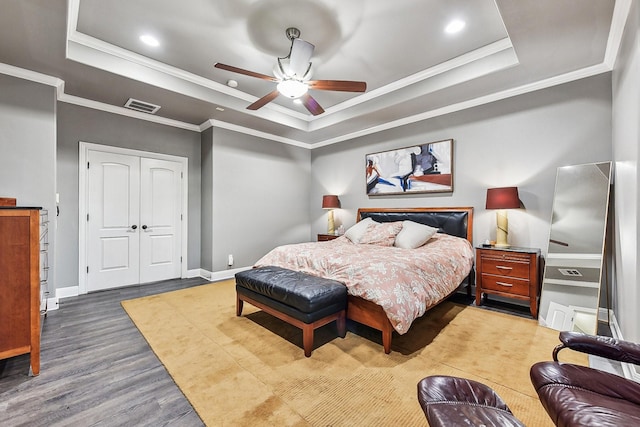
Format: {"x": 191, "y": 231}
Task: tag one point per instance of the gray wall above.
{"x": 77, "y": 124}
{"x": 260, "y": 196}
{"x": 206, "y": 230}
{"x": 626, "y": 142}
{"x": 519, "y": 141}
{"x": 28, "y": 149}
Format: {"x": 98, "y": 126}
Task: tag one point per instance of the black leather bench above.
{"x": 299, "y": 299}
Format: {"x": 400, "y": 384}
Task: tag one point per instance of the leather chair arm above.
{"x": 607, "y": 347}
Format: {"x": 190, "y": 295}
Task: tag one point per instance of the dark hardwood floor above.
{"x": 96, "y": 369}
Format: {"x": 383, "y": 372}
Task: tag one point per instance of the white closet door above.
{"x": 113, "y": 215}
{"x": 160, "y": 217}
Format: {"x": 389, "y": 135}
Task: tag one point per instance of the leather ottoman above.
{"x": 299, "y": 299}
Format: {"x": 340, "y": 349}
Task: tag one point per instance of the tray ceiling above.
{"x": 413, "y": 68}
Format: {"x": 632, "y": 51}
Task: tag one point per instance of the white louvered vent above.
{"x": 138, "y": 105}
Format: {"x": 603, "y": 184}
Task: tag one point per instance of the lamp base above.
{"x": 502, "y": 229}
{"x": 331, "y": 228}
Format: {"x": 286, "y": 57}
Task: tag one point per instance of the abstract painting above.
{"x": 424, "y": 168}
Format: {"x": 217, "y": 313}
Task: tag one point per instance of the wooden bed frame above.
{"x": 459, "y": 223}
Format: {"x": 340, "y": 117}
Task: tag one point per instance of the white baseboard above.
{"x": 54, "y": 303}
{"x": 629, "y": 370}
{"x": 223, "y": 274}
{"x": 74, "y": 291}
{"x": 197, "y": 272}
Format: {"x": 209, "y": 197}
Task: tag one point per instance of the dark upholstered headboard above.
{"x": 454, "y": 221}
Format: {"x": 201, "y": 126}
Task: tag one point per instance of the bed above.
{"x": 389, "y": 287}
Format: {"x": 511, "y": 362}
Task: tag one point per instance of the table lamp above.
{"x": 330, "y": 202}
{"x": 502, "y": 199}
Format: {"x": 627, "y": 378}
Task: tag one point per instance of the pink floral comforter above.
{"x": 404, "y": 282}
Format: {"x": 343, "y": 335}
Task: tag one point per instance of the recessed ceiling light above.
{"x": 219, "y": 108}
{"x": 149, "y": 40}
{"x": 454, "y": 26}
{"x": 232, "y": 83}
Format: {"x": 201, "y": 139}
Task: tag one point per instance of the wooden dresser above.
{"x": 20, "y": 284}
{"x": 512, "y": 272}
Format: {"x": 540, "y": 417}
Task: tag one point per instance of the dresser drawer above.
{"x": 508, "y": 285}
{"x": 506, "y": 267}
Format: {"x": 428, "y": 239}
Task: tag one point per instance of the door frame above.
{"x": 83, "y": 188}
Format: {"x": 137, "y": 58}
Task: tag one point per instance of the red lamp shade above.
{"x": 503, "y": 198}
{"x": 330, "y": 202}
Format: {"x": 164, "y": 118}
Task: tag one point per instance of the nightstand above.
{"x": 511, "y": 272}
{"x": 324, "y": 237}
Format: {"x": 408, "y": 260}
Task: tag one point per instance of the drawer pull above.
{"x": 508, "y": 285}
{"x": 502, "y": 267}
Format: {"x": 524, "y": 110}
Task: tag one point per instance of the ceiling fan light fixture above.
{"x": 292, "y": 88}
{"x": 293, "y": 73}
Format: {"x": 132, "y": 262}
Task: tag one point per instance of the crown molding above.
{"x": 33, "y": 76}
{"x": 444, "y": 67}
{"x": 248, "y": 131}
{"x": 509, "y": 93}
{"x": 83, "y": 102}
{"x": 618, "y": 22}
{"x": 520, "y": 90}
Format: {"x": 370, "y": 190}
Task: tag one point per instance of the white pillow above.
{"x": 356, "y": 232}
{"x": 414, "y": 235}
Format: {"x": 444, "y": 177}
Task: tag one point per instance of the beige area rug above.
{"x": 251, "y": 370}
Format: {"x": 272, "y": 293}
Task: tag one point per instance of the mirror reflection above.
{"x": 573, "y": 271}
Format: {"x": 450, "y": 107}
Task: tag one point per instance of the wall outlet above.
{"x": 230, "y": 260}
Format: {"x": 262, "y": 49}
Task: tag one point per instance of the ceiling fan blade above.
{"x": 245, "y": 72}
{"x": 338, "y": 85}
{"x": 311, "y": 104}
{"x": 264, "y": 100}
{"x": 300, "y": 57}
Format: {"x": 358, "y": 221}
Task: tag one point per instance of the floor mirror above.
{"x": 573, "y": 272}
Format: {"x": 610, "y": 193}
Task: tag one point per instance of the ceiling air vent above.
{"x": 138, "y": 105}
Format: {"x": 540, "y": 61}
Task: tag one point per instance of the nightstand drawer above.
{"x": 508, "y": 285}
{"x": 506, "y": 267}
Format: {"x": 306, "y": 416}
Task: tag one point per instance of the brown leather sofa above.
{"x": 452, "y": 401}
{"x": 576, "y": 395}
{"x": 572, "y": 395}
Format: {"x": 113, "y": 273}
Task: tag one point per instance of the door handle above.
{"x": 132, "y": 229}
{"x": 145, "y": 228}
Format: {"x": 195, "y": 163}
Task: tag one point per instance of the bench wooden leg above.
{"x": 307, "y": 338}
{"x": 239, "y": 305}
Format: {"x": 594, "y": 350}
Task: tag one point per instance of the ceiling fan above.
{"x": 293, "y": 73}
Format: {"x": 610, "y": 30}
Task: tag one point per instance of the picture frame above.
{"x": 422, "y": 168}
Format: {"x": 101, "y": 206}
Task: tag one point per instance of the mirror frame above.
{"x": 564, "y": 315}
